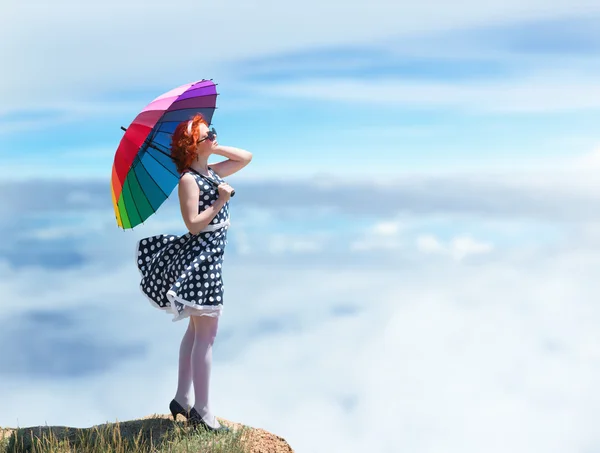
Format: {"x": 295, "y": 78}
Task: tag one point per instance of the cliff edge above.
{"x": 154, "y": 433}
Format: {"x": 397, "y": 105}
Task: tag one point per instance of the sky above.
{"x": 412, "y": 255}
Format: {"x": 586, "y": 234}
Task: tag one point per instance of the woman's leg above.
{"x": 184, "y": 381}
{"x": 205, "y": 328}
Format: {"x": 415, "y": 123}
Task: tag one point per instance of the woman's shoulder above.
{"x": 187, "y": 178}
{"x": 187, "y": 174}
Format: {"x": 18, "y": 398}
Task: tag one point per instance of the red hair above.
{"x": 183, "y": 145}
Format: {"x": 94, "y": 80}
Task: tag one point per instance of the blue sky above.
{"x": 413, "y": 247}
{"x": 475, "y": 96}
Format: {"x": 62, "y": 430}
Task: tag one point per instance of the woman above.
{"x": 182, "y": 274}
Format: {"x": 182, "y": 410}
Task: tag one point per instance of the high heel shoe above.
{"x": 195, "y": 419}
{"x": 177, "y": 408}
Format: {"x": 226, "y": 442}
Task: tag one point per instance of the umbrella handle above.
{"x": 232, "y": 192}
{"x": 216, "y": 186}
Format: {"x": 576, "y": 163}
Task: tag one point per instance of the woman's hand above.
{"x": 225, "y": 191}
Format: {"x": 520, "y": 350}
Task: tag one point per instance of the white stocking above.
{"x": 205, "y": 328}
{"x": 184, "y": 381}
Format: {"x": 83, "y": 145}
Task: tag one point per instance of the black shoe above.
{"x": 196, "y": 420}
{"x": 177, "y": 408}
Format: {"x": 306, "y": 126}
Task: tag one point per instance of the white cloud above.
{"x": 389, "y": 228}
{"x": 461, "y": 247}
{"x": 428, "y": 243}
{"x": 587, "y": 162}
{"x": 392, "y": 235}
{"x": 384, "y": 235}
{"x": 458, "y": 248}
{"x": 288, "y": 243}
{"x": 533, "y": 93}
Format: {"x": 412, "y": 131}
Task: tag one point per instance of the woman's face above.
{"x": 204, "y": 146}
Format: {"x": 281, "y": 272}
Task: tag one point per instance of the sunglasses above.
{"x": 210, "y": 136}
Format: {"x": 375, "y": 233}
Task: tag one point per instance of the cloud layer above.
{"x": 463, "y": 320}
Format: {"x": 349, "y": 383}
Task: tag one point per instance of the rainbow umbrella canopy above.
{"x": 143, "y": 173}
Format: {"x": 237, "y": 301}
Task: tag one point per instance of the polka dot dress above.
{"x": 183, "y": 274}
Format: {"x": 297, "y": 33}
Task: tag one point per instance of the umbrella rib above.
{"x": 132, "y": 197}
{"x": 188, "y": 108}
{"x": 138, "y": 180}
{"x": 151, "y": 145}
{"x": 198, "y": 96}
{"x": 154, "y": 180}
{"x": 183, "y": 100}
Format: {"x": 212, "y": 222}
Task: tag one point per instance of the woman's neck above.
{"x": 201, "y": 166}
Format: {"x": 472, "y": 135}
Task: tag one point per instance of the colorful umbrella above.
{"x": 143, "y": 173}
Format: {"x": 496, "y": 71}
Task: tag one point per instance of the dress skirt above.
{"x": 182, "y": 274}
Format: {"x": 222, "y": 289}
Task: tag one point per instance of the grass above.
{"x": 154, "y": 434}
